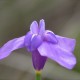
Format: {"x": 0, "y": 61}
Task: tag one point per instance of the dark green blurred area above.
{"x": 61, "y": 16}
{"x": 77, "y": 53}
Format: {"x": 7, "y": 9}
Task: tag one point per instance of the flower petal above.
{"x": 66, "y": 43}
{"x": 38, "y": 60}
{"x": 35, "y": 42}
{"x": 41, "y": 27}
{"x": 34, "y": 27}
{"x": 11, "y": 45}
{"x": 50, "y": 37}
{"x": 54, "y": 52}
{"x": 27, "y": 40}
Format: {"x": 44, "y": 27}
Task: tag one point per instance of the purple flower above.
{"x": 43, "y": 44}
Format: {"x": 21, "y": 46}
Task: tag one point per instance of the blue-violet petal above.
{"x": 56, "y": 53}
{"x": 66, "y": 43}
{"x": 11, "y": 45}
{"x": 35, "y": 42}
{"x": 27, "y": 40}
{"x": 50, "y": 37}
{"x": 41, "y": 27}
{"x": 34, "y": 27}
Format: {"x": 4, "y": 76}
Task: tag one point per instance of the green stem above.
{"x": 38, "y": 75}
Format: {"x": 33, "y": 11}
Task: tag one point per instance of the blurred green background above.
{"x": 61, "y": 16}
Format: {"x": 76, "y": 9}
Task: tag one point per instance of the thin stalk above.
{"x": 38, "y": 75}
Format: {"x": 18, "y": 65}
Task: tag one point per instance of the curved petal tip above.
{"x": 34, "y": 27}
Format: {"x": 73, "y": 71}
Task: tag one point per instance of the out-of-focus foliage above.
{"x": 61, "y": 16}
{"x": 77, "y": 53}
